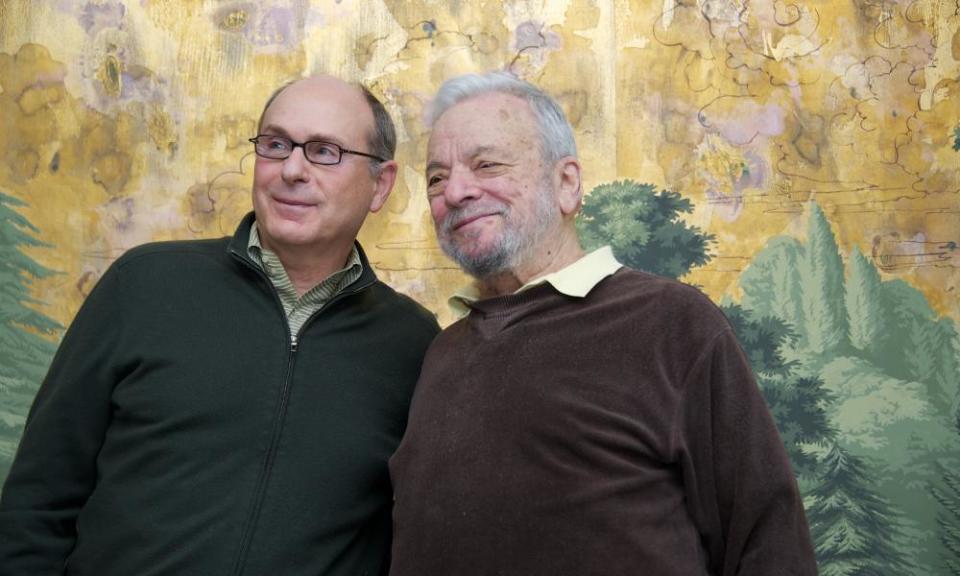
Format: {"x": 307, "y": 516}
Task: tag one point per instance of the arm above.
{"x": 741, "y": 489}
{"x": 55, "y": 469}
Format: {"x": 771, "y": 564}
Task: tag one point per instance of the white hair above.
{"x": 556, "y": 135}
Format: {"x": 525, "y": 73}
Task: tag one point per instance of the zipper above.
{"x": 261, "y": 490}
{"x": 253, "y": 515}
{"x": 249, "y": 526}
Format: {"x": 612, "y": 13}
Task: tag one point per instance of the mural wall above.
{"x": 800, "y": 161}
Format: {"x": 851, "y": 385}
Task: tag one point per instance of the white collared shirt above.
{"x": 576, "y": 279}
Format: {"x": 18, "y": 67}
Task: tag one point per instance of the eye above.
{"x": 488, "y": 165}
{"x": 323, "y": 149}
{"x": 275, "y": 143}
{"x": 435, "y": 175}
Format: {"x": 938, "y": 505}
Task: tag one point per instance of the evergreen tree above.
{"x": 643, "y": 227}
{"x": 902, "y": 304}
{"x": 948, "y": 516}
{"x": 798, "y": 404}
{"x": 916, "y": 345}
{"x": 771, "y": 284}
{"x": 948, "y": 519}
{"x": 24, "y": 351}
{"x": 922, "y": 334}
{"x": 822, "y": 281}
{"x": 946, "y": 374}
{"x": 855, "y": 531}
{"x": 863, "y": 302}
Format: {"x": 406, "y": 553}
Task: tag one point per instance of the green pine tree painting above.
{"x": 887, "y": 363}
{"x": 863, "y": 303}
{"x": 855, "y": 530}
{"x": 947, "y": 371}
{"x": 25, "y": 344}
{"x": 644, "y": 228}
{"x": 947, "y": 494}
{"x": 821, "y": 274}
{"x": 771, "y": 284}
{"x": 798, "y": 403}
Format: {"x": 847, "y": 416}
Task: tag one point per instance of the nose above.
{"x": 461, "y": 187}
{"x": 296, "y": 168}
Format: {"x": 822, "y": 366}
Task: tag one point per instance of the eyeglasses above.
{"x": 315, "y": 151}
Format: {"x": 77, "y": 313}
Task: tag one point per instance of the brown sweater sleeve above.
{"x": 741, "y": 490}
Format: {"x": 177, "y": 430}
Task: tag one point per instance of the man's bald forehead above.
{"x": 318, "y": 80}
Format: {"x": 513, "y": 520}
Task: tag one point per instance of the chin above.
{"x": 288, "y": 235}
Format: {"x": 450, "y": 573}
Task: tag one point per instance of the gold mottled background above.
{"x": 126, "y": 122}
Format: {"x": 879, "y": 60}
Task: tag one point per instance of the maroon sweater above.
{"x": 622, "y": 433}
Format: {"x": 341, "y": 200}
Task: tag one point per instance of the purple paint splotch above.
{"x": 532, "y": 34}
{"x": 532, "y": 42}
{"x": 118, "y": 212}
{"x": 734, "y": 174}
{"x": 96, "y": 17}
{"x": 276, "y": 29}
{"x": 267, "y": 29}
{"x": 748, "y": 120}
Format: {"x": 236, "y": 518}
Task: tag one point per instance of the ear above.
{"x": 383, "y": 184}
{"x": 569, "y": 191}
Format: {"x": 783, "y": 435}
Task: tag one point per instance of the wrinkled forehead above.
{"x": 486, "y": 120}
{"x": 487, "y": 108}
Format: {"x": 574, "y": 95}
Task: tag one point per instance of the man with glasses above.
{"x": 228, "y": 406}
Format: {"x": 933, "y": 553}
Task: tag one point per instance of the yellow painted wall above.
{"x": 126, "y": 122}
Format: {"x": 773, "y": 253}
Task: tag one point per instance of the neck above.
{"x": 306, "y": 266}
{"x": 549, "y": 257}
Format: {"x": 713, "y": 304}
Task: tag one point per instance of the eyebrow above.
{"x": 477, "y": 151}
{"x": 280, "y": 131}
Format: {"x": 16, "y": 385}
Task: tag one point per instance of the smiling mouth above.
{"x": 290, "y": 202}
{"x": 471, "y": 220}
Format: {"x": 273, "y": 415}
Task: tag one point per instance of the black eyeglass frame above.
{"x": 294, "y": 145}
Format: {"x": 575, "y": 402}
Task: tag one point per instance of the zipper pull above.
{"x": 293, "y": 344}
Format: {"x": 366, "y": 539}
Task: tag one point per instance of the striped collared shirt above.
{"x": 298, "y": 309}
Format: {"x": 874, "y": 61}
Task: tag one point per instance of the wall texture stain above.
{"x": 125, "y": 121}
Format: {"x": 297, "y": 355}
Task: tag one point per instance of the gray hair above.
{"x": 556, "y": 135}
{"x": 382, "y": 140}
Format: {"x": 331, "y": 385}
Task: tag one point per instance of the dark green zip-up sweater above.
{"x": 178, "y": 432}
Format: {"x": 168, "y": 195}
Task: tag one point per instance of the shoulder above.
{"x": 171, "y": 264}
{"x": 172, "y": 259}
{"x": 662, "y": 309}
{"x": 156, "y": 252}
{"x": 405, "y": 308}
{"x": 679, "y": 298}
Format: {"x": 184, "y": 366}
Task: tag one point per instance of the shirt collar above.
{"x": 255, "y": 251}
{"x": 253, "y": 242}
{"x": 576, "y": 280}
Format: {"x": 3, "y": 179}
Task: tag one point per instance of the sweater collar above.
{"x": 576, "y": 280}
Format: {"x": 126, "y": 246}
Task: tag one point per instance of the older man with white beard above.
{"x": 582, "y": 417}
